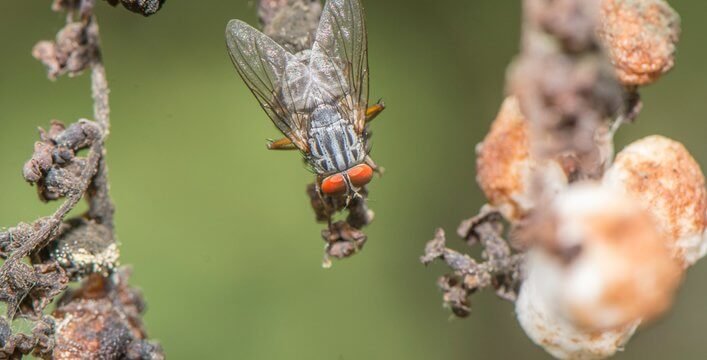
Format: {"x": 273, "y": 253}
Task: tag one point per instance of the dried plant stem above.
{"x": 103, "y": 316}
{"x": 100, "y": 204}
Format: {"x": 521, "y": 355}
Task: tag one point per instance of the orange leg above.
{"x": 374, "y": 110}
{"x": 282, "y": 144}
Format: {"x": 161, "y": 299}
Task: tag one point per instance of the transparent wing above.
{"x": 262, "y": 64}
{"x": 342, "y": 40}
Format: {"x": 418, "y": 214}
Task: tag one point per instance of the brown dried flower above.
{"x": 75, "y": 47}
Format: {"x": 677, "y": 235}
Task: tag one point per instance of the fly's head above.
{"x": 347, "y": 182}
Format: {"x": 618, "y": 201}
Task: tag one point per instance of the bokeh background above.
{"x": 219, "y": 230}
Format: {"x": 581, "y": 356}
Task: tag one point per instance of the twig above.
{"x": 499, "y": 269}
{"x": 100, "y": 205}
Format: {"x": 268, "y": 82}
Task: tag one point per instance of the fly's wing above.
{"x": 262, "y": 63}
{"x": 341, "y": 46}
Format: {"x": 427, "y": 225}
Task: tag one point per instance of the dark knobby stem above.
{"x": 62, "y": 250}
{"x": 499, "y": 268}
{"x": 565, "y": 84}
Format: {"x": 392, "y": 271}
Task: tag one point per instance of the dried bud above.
{"x": 72, "y": 52}
{"x": 144, "y": 7}
{"x": 342, "y": 240}
{"x": 600, "y": 267}
{"x": 40, "y": 162}
{"x": 662, "y": 175}
{"x": 53, "y": 166}
{"x": 61, "y": 181}
{"x": 640, "y": 36}
{"x": 504, "y": 165}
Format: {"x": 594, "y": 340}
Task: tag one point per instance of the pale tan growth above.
{"x": 624, "y": 271}
{"x": 640, "y": 36}
{"x": 539, "y": 316}
{"x": 504, "y": 166}
{"x": 599, "y": 270}
{"x": 662, "y": 175}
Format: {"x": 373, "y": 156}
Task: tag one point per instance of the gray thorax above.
{"x": 334, "y": 144}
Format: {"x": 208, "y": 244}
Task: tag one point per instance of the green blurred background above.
{"x": 219, "y": 230}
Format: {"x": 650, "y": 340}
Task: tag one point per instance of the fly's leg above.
{"x": 282, "y": 144}
{"x": 374, "y": 110}
{"x": 327, "y": 207}
{"x": 376, "y": 169}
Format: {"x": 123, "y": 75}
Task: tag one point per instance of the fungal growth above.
{"x": 597, "y": 244}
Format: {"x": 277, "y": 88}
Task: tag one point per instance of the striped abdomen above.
{"x": 333, "y": 143}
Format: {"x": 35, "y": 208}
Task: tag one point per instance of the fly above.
{"x": 318, "y": 97}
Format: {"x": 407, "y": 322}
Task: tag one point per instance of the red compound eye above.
{"x": 360, "y": 175}
{"x": 334, "y": 184}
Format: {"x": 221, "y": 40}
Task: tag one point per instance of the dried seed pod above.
{"x": 144, "y": 7}
{"x": 76, "y": 45}
{"x": 600, "y": 266}
{"x": 640, "y": 36}
{"x": 662, "y": 175}
{"x": 343, "y": 240}
{"x": 504, "y": 165}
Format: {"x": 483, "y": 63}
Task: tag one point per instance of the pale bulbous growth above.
{"x": 662, "y": 175}
{"x": 599, "y": 267}
{"x": 539, "y": 316}
{"x": 505, "y": 168}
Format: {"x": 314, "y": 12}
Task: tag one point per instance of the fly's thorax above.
{"x": 333, "y": 142}
{"x": 311, "y": 79}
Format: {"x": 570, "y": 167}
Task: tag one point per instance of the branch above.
{"x": 499, "y": 269}
{"x": 63, "y": 250}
